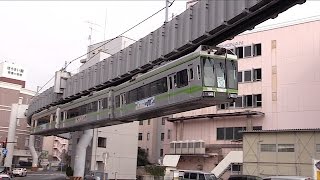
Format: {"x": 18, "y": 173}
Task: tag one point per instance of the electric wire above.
{"x": 106, "y": 43}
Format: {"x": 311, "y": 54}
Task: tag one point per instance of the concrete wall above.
{"x": 297, "y": 163}
{"x": 121, "y": 146}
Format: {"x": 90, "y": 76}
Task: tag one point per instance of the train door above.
{"x": 191, "y": 78}
{"x": 172, "y": 84}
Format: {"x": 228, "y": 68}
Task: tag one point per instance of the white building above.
{"x": 120, "y": 142}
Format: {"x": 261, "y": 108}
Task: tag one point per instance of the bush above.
{"x": 69, "y": 171}
{"x": 155, "y": 170}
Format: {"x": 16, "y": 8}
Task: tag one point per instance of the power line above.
{"x": 119, "y": 34}
{"x": 107, "y": 42}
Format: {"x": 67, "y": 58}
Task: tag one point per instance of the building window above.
{"x": 247, "y": 76}
{"x": 230, "y": 133}
{"x": 257, "y": 100}
{"x": 140, "y": 137}
{"x": 148, "y": 136}
{"x": 247, "y": 51}
{"x": 257, "y": 128}
{"x": 102, "y": 142}
{"x": 239, "y": 102}
{"x": 318, "y": 148}
{"x": 239, "y": 76}
{"x": 163, "y": 121}
{"x": 257, "y": 76}
{"x": 220, "y": 133}
{"x": 257, "y": 49}
{"x": 268, "y": 148}
{"x": 162, "y": 136}
{"x": 285, "y": 147}
{"x": 248, "y": 100}
{"x": 148, "y": 121}
{"x": 235, "y": 168}
{"x": 169, "y": 133}
{"x": 161, "y": 152}
{"x": 140, "y": 123}
{"x": 239, "y": 52}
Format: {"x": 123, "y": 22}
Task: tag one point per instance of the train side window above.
{"x": 170, "y": 82}
{"x": 198, "y": 72}
{"x": 175, "y": 80}
{"x": 104, "y": 103}
{"x": 122, "y": 99}
{"x": 191, "y": 73}
{"x": 133, "y": 95}
{"x": 182, "y": 78}
{"x": 117, "y": 101}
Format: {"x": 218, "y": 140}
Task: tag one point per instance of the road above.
{"x": 42, "y": 175}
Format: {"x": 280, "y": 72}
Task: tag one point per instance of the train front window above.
{"x": 220, "y": 73}
{"x": 232, "y": 70}
{"x": 209, "y": 76}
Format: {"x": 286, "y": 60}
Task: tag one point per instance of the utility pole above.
{"x": 167, "y": 10}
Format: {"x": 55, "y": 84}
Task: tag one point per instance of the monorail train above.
{"x": 203, "y": 78}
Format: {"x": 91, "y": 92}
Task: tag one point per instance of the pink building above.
{"x": 279, "y": 82}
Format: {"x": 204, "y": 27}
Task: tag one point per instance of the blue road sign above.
{"x": 4, "y": 151}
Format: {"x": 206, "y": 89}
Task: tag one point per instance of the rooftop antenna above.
{"x": 91, "y": 28}
{"x": 105, "y": 26}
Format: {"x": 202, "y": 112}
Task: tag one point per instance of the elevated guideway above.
{"x": 208, "y": 22}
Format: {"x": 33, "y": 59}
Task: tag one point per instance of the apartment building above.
{"x": 56, "y": 149}
{"x": 12, "y": 88}
{"x": 154, "y": 137}
{"x": 278, "y": 84}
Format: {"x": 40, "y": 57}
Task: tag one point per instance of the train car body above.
{"x": 200, "y": 79}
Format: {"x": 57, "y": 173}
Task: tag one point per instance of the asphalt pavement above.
{"x": 43, "y": 175}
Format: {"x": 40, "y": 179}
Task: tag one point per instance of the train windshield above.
{"x": 214, "y": 73}
{"x": 209, "y": 76}
{"x": 232, "y": 70}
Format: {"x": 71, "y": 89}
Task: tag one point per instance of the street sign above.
{"x": 4, "y": 151}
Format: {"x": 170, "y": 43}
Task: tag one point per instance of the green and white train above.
{"x": 206, "y": 77}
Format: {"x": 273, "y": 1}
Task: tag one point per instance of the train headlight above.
{"x": 208, "y": 93}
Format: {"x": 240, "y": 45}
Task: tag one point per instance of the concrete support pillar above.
{"x": 81, "y": 150}
{"x": 33, "y": 152}
{"x": 11, "y": 135}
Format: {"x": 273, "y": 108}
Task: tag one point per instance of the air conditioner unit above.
{"x": 199, "y": 147}
{"x": 178, "y": 147}
{"x": 173, "y": 147}
{"x": 184, "y": 147}
{"x": 191, "y": 147}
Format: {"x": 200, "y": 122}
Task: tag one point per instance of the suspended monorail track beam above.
{"x": 208, "y": 22}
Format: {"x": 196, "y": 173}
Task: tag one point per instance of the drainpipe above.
{"x": 33, "y": 152}
{"x": 81, "y": 150}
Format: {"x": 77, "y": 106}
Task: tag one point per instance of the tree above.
{"x": 142, "y": 158}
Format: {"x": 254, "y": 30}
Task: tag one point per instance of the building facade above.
{"x": 154, "y": 137}
{"x": 56, "y": 149}
{"x": 278, "y": 84}
{"x": 12, "y": 88}
{"x": 281, "y": 152}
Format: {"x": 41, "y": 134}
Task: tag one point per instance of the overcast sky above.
{"x": 41, "y": 36}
